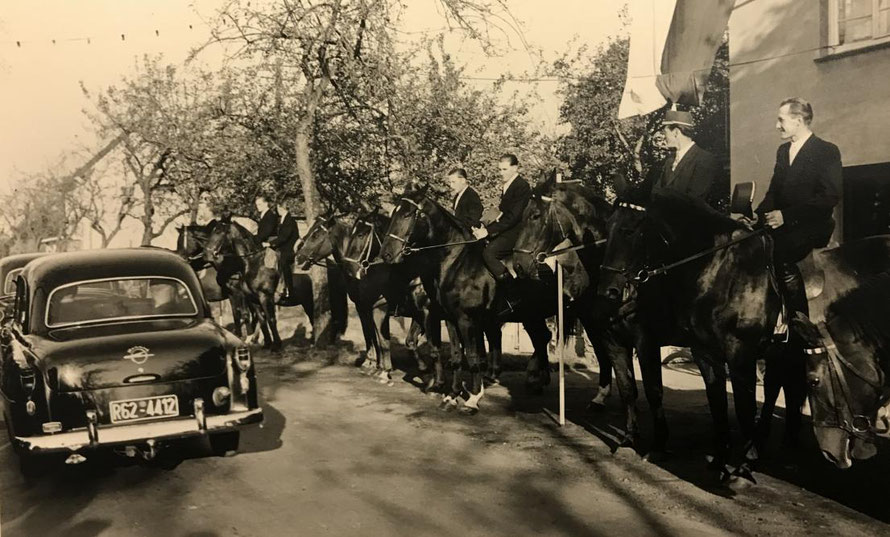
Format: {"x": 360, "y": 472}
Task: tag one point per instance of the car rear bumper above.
{"x": 115, "y": 435}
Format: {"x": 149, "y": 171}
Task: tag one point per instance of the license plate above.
{"x": 146, "y": 408}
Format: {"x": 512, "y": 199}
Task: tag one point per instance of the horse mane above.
{"x": 447, "y": 215}
{"x": 244, "y": 233}
{"x": 602, "y": 208}
{"x": 866, "y": 311}
{"x": 691, "y": 215}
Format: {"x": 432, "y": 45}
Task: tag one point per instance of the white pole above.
{"x": 561, "y": 337}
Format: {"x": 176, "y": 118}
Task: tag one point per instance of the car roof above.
{"x": 12, "y": 262}
{"x": 59, "y": 269}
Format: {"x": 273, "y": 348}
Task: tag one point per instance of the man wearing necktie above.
{"x": 691, "y": 170}
{"x": 467, "y": 205}
{"x": 804, "y": 189}
{"x": 515, "y": 195}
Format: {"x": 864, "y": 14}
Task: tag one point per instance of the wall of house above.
{"x": 850, "y": 94}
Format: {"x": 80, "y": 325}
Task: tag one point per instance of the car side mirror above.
{"x": 743, "y": 198}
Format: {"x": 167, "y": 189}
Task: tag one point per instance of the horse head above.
{"x": 318, "y": 243}
{"x": 363, "y": 243}
{"x": 536, "y": 236}
{"x": 409, "y": 225}
{"x": 844, "y": 377}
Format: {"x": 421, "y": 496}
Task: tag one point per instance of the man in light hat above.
{"x": 691, "y": 170}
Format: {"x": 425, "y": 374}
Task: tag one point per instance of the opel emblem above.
{"x": 138, "y": 355}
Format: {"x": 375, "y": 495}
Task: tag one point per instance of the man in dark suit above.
{"x": 504, "y": 229}
{"x": 268, "y": 222}
{"x": 284, "y": 244}
{"x": 690, "y": 170}
{"x": 804, "y": 189}
{"x": 467, "y": 205}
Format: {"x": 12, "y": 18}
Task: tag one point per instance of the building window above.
{"x": 866, "y": 205}
{"x": 855, "y": 24}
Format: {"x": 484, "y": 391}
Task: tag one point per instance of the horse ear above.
{"x": 620, "y": 184}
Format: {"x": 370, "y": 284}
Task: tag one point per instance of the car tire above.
{"x": 31, "y": 465}
{"x": 223, "y": 444}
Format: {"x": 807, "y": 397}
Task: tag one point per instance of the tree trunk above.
{"x": 148, "y": 212}
{"x": 322, "y": 328}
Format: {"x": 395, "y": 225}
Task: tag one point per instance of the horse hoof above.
{"x": 469, "y": 410}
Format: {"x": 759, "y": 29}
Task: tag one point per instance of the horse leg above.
{"x": 434, "y": 336}
{"x": 236, "y": 316}
{"x": 649, "y": 355}
{"x": 537, "y": 373}
{"x": 366, "y": 319}
{"x": 412, "y": 342}
{"x": 268, "y": 300}
{"x": 475, "y": 350}
{"x": 714, "y": 376}
{"x": 380, "y": 315}
{"x": 613, "y": 346}
{"x": 743, "y": 375}
{"x": 455, "y": 363}
{"x": 772, "y": 384}
{"x": 496, "y": 350}
{"x": 603, "y": 359}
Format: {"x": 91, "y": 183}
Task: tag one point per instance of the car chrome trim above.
{"x": 115, "y": 319}
{"x": 141, "y": 432}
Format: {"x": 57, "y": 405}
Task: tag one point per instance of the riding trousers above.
{"x": 286, "y": 269}
{"x": 497, "y": 249}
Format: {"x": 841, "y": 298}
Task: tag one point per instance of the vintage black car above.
{"x": 117, "y": 348}
{"x": 10, "y": 266}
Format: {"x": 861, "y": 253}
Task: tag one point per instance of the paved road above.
{"x": 342, "y": 455}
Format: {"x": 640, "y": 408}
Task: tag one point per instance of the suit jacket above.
{"x": 694, "y": 176}
{"x": 513, "y": 202}
{"x": 806, "y": 191}
{"x": 268, "y": 226}
{"x": 469, "y": 207}
{"x": 287, "y": 237}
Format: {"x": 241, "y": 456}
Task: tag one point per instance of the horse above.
{"x": 573, "y": 218}
{"x": 377, "y": 290}
{"x": 190, "y": 246}
{"x": 848, "y": 370}
{"x": 706, "y": 277}
{"x": 232, "y": 249}
{"x": 472, "y": 303}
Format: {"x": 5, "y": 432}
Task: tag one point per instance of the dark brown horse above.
{"x": 190, "y": 246}
{"x": 722, "y": 304}
{"x": 848, "y": 361}
{"x": 377, "y": 290}
{"x": 573, "y": 218}
{"x": 472, "y": 304}
{"x": 234, "y": 250}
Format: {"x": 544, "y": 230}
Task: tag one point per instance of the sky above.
{"x": 99, "y": 41}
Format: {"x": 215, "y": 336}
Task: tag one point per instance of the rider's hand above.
{"x": 265, "y": 245}
{"x": 774, "y": 219}
{"x": 744, "y": 220}
{"x": 480, "y": 232}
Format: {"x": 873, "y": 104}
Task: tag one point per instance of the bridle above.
{"x": 319, "y": 224}
{"x": 407, "y": 247}
{"x": 226, "y": 238}
{"x": 858, "y": 425}
{"x": 643, "y": 275}
{"x": 199, "y": 251}
{"x": 364, "y": 260}
{"x": 541, "y": 257}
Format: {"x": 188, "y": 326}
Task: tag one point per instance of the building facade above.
{"x": 835, "y": 54}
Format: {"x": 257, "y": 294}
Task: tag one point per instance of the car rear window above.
{"x": 118, "y": 299}
{"x": 9, "y": 284}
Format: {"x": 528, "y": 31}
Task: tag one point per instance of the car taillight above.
{"x": 221, "y": 395}
{"x": 242, "y": 357}
{"x": 52, "y": 427}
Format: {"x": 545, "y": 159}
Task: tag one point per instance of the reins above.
{"x": 644, "y": 274}
{"x": 858, "y": 425}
